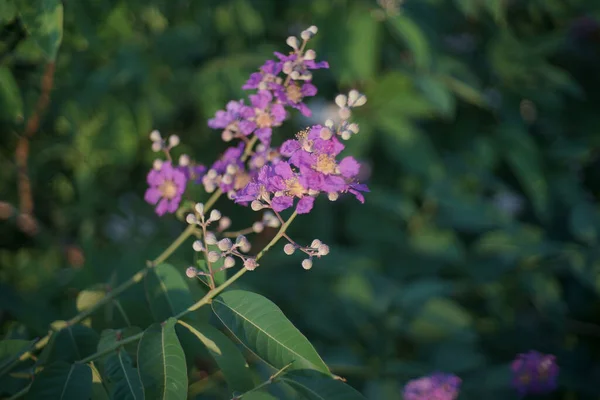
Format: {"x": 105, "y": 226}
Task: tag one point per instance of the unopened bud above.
{"x": 229, "y": 262}
{"x": 341, "y": 100}
{"x": 325, "y": 133}
{"x": 353, "y": 96}
{"x": 306, "y": 35}
{"x": 227, "y": 135}
{"x": 197, "y": 245}
{"x": 155, "y": 136}
{"x": 292, "y": 41}
{"x": 329, "y": 123}
{"x": 289, "y": 249}
{"x": 157, "y": 164}
{"x": 344, "y": 113}
{"x": 215, "y": 215}
{"x": 333, "y": 196}
{"x": 224, "y": 223}
{"x": 270, "y": 220}
{"x": 310, "y": 54}
{"x": 353, "y": 128}
{"x": 250, "y": 264}
{"x": 184, "y": 160}
{"x": 190, "y": 219}
{"x": 360, "y": 101}
{"x": 256, "y": 205}
{"x": 245, "y": 247}
{"x": 191, "y": 272}
{"x": 210, "y": 238}
{"x": 313, "y": 29}
{"x": 156, "y": 146}
{"x": 307, "y": 264}
{"x": 315, "y": 244}
{"x": 199, "y": 207}
{"x": 323, "y": 250}
{"x": 173, "y": 140}
{"x": 224, "y": 244}
{"x": 213, "y": 256}
{"x": 346, "y": 135}
{"x": 295, "y": 75}
{"x": 258, "y": 227}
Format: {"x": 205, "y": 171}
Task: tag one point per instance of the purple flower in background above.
{"x": 534, "y": 373}
{"x": 434, "y": 387}
{"x": 292, "y": 95}
{"x": 194, "y": 172}
{"x": 167, "y": 185}
{"x": 262, "y": 116}
{"x": 230, "y": 120}
{"x": 266, "y": 78}
{"x": 227, "y": 173}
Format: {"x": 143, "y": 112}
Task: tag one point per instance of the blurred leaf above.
{"x": 161, "y": 363}
{"x": 11, "y": 349}
{"x": 437, "y": 93}
{"x": 124, "y": 379}
{"x": 109, "y": 337}
{"x": 8, "y": 11}
{"x": 167, "y": 292}
{"x": 262, "y": 327}
{"x": 10, "y": 95}
{"x": 362, "y": 44}
{"x": 439, "y": 318}
{"x": 584, "y": 223}
{"x": 225, "y": 353}
{"x": 314, "y": 385}
{"x": 415, "y": 40}
{"x": 71, "y": 343}
{"x": 44, "y": 21}
{"x": 61, "y": 381}
{"x": 258, "y": 395}
{"x": 98, "y": 389}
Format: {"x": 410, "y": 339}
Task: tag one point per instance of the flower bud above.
{"x": 215, "y": 215}
{"x": 306, "y": 35}
{"x": 310, "y": 54}
{"x": 258, "y": 227}
{"x": 287, "y": 68}
{"x": 333, "y": 196}
{"x": 229, "y": 262}
{"x": 292, "y": 41}
{"x": 353, "y": 128}
{"x": 224, "y": 223}
{"x": 245, "y": 247}
{"x": 191, "y": 272}
{"x": 323, "y": 250}
{"x": 360, "y": 101}
{"x": 227, "y": 135}
{"x": 156, "y": 146}
{"x": 329, "y": 123}
{"x": 352, "y": 97}
{"x": 250, "y": 264}
{"x": 313, "y": 29}
{"x": 346, "y": 135}
{"x": 307, "y": 264}
{"x": 315, "y": 244}
{"x": 199, "y": 207}
{"x": 325, "y": 133}
{"x": 289, "y": 249}
{"x": 340, "y": 100}
{"x": 344, "y": 113}
{"x": 210, "y": 238}
{"x": 224, "y": 244}
{"x": 157, "y": 164}
{"x": 173, "y": 140}
{"x": 191, "y": 219}
{"x": 197, "y": 245}
{"x": 256, "y": 205}
{"x": 295, "y": 75}
{"x": 270, "y": 220}
{"x": 213, "y": 256}
{"x": 184, "y": 160}
{"x": 155, "y": 136}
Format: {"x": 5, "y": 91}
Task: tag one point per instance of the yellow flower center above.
{"x": 325, "y": 164}
{"x": 168, "y": 189}
{"x": 263, "y": 120}
{"x": 241, "y": 180}
{"x": 294, "y": 93}
{"x": 294, "y": 188}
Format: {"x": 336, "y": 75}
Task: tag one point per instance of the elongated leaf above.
{"x": 124, "y": 379}
{"x": 415, "y": 39}
{"x": 98, "y": 389}
{"x": 259, "y": 395}
{"x": 313, "y": 385}
{"x": 44, "y": 22}
{"x": 9, "y": 349}
{"x": 262, "y": 327}
{"x": 109, "y": 337}
{"x": 61, "y": 381}
{"x": 10, "y": 96}
{"x": 161, "y": 363}
{"x": 72, "y": 343}
{"x": 167, "y": 292}
{"x": 227, "y": 356}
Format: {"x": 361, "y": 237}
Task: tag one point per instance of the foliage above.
{"x": 479, "y": 239}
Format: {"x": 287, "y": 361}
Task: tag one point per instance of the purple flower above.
{"x": 534, "y": 373}
{"x": 434, "y": 387}
{"x": 227, "y": 173}
{"x": 293, "y": 93}
{"x": 231, "y": 120}
{"x": 194, "y": 172}
{"x": 166, "y": 188}
{"x": 265, "y": 78}
{"x": 262, "y": 116}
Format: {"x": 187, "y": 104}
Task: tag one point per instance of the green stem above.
{"x": 267, "y": 382}
{"x": 112, "y": 348}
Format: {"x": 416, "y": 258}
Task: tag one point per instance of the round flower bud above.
{"x": 287, "y": 68}
{"x": 310, "y": 54}
{"x": 156, "y": 146}
{"x": 250, "y": 264}
{"x": 224, "y": 223}
{"x": 173, "y": 140}
{"x": 353, "y": 96}
{"x": 292, "y": 41}
{"x": 240, "y": 240}
{"x": 313, "y": 29}
{"x": 315, "y": 244}
{"x": 333, "y": 196}
{"x": 346, "y": 135}
{"x": 210, "y": 238}
{"x": 184, "y": 160}
{"x": 197, "y": 245}
{"x": 270, "y": 220}
{"x": 307, "y": 264}
{"x": 213, "y": 256}
{"x": 360, "y": 101}
{"x": 157, "y": 164}
{"x": 353, "y": 128}
{"x": 340, "y": 100}
{"x": 229, "y": 262}
{"x": 325, "y": 133}
{"x": 199, "y": 207}
{"x": 258, "y": 227}
{"x": 231, "y": 169}
{"x": 224, "y": 244}
{"x": 215, "y": 215}
{"x": 155, "y": 136}
{"x": 295, "y": 75}
{"x": 323, "y": 250}
{"x": 191, "y": 219}
{"x": 245, "y": 247}
{"x": 329, "y": 123}
{"x": 289, "y": 249}
{"x": 227, "y": 179}
{"x": 191, "y": 272}
{"x": 256, "y": 205}
{"x": 227, "y": 136}
{"x": 306, "y": 35}
{"x": 344, "y": 113}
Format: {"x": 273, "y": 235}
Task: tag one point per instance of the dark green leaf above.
{"x": 61, "y": 381}
{"x": 71, "y": 343}
{"x": 415, "y": 40}
{"x": 161, "y": 363}
{"x": 167, "y": 292}
{"x": 98, "y": 389}
{"x": 44, "y": 21}
{"x": 11, "y": 349}
{"x": 313, "y": 385}
{"x": 124, "y": 379}
{"x": 262, "y": 327}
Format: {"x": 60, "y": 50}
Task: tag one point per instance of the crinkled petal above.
{"x": 349, "y": 167}
{"x": 246, "y": 127}
{"x": 152, "y": 195}
{"x": 305, "y": 205}
{"x": 284, "y": 170}
{"x": 162, "y": 207}
{"x": 289, "y": 147}
{"x": 281, "y": 203}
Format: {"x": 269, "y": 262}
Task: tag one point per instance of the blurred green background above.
{"x": 481, "y": 139}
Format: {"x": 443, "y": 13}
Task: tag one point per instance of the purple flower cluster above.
{"x": 167, "y": 185}
{"x": 308, "y": 167}
{"x": 534, "y": 373}
{"x": 438, "y": 386}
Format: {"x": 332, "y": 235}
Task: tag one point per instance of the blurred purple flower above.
{"x": 534, "y": 373}
{"x": 231, "y": 120}
{"x": 262, "y": 116}
{"x": 438, "y": 386}
{"x": 266, "y": 78}
{"x": 167, "y": 185}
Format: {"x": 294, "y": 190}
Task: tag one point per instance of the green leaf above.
{"x": 124, "y": 379}
{"x": 258, "y": 395}
{"x": 11, "y": 349}
{"x": 438, "y": 94}
{"x": 227, "y": 356}
{"x": 262, "y": 327}
{"x": 72, "y": 343}
{"x": 415, "y": 40}
{"x": 161, "y": 363}
{"x": 362, "y": 45}
{"x": 86, "y": 299}
{"x": 167, "y": 292}
{"x": 584, "y": 223}
{"x": 44, "y": 21}
{"x": 109, "y": 337}
{"x": 10, "y": 96}
{"x": 313, "y": 385}
{"x": 61, "y": 381}
{"x": 439, "y": 318}
{"x": 98, "y": 389}
{"x": 8, "y": 11}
